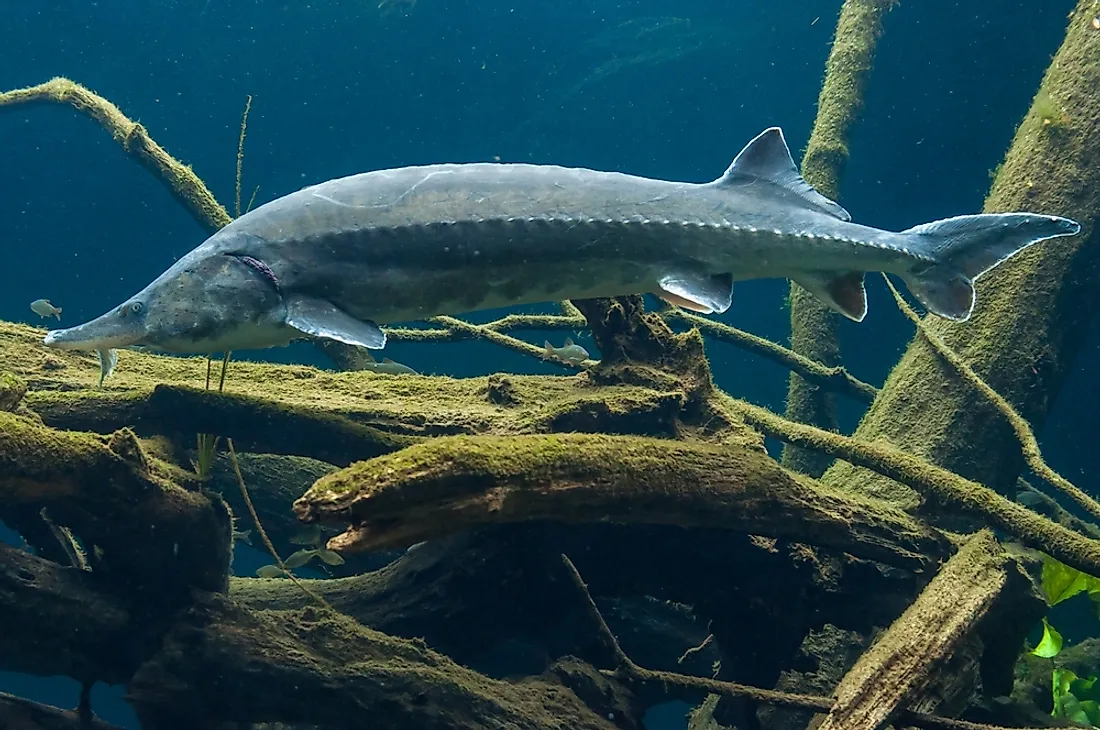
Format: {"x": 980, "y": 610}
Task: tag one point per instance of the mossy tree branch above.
{"x": 1033, "y": 312}
{"x": 904, "y": 661}
{"x": 934, "y": 484}
{"x": 814, "y": 327}
{"x": 114, "y": 496}
{"x": 454, "y": 484}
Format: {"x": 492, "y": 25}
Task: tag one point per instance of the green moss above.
{"x": 12, "y": 389}
{"x": 1032, "y": 312}
{"x": 814, "y": 324}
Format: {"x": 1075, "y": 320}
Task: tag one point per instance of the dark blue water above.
{"x": 662, "y": 89}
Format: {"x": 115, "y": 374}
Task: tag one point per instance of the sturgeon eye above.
{"x": 136, "y": 307}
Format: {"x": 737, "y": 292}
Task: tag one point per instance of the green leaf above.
{"x": 1085, "y": 689}
{"x": 1061, "y": 581}
{"x": 1091, "y": 711}
{"x": 1050, "y": 644}
{"x": 1061, "y": 680}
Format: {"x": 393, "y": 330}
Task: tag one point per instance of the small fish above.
{"x": 43, "y": 308}
{"x": 1031, "y": 499}
{"x": 270, "y": 571}
{"x": 300, "y": 558}
{"x": 310, "y": 536}
{"x": 244, "y": 536}
{"x": 571, "y": 352}
{"x": 329, "y": 557}
{"x": 107, "y": 361}
{"x": 387, "y": 366}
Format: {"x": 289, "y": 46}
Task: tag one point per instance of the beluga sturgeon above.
{"x": 337, "y": 259}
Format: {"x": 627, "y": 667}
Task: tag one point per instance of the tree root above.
{"x": 453, "y": 484}
{"x": 814, "y": 326}
{"x": 182, "y": 182}
{"x": 836, "y": 379}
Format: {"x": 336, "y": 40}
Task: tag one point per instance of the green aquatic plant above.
{"x": 206, "y": 449}
{"x": 1073, "y": 698}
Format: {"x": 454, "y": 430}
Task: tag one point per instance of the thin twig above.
{"x": 263, "y": 533}
{"x": 240, "y": 157}
{"x": 1030, "y": 445}
{"x": 833, "y": 378}
{"x": 629, "y": 672}
{"x": 225, "y": 368}
{"x": 695, "y": 649}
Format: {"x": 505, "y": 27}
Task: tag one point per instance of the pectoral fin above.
{"x": 699, "y": 293}
{"x": 844, "y": 292}
{"x": 319, "y": 318}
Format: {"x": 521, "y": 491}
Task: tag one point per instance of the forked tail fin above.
{"x": 966, "y": 247}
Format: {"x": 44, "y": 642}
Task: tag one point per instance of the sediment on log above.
{"x": 814, "y": 326}
{"x": 457, "y": 483}
{"x": 1033, "y": 312}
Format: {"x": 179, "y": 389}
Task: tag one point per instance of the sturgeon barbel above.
{"x": 337, "y": 259}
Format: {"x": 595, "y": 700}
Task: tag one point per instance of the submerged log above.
{"x": 903, "y": 662}
{"x": 135, "y": 519}
{"x": 453, "y": 484}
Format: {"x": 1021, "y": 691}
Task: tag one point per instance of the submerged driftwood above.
{"x": 635, "y": 467}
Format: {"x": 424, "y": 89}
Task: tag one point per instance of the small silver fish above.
{"x": 270, "y": 571}
{"x": 571, "y": 352}
{"x": 387, "y": 366}
{"x": 300, "y": 558}
{"x": 43, "y": 308}
{"x": 107, "y": 361}
{"x": 244, "y": 536}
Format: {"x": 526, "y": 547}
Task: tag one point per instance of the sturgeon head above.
{"x": 214, "y": 300}
{"x": 204, "y": 303}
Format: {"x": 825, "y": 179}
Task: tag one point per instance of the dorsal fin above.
{"x": 767, "y": 157}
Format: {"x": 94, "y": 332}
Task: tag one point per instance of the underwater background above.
{"x": 662, "y": 89}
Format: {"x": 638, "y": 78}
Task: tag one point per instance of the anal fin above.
{"x": 699, "y": 293}
{"x": 844, "y": 293}
{"x": 320, "y": 318}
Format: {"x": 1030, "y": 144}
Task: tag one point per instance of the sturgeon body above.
{"x": 337, "y": 259}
